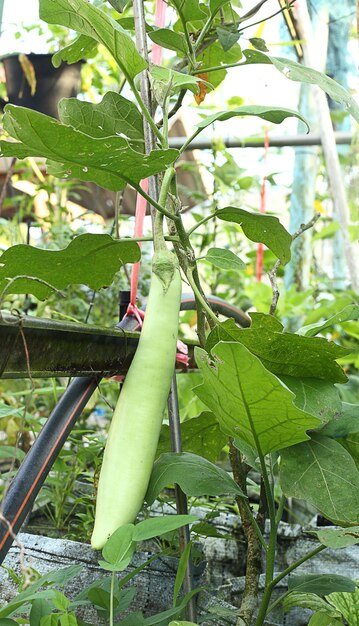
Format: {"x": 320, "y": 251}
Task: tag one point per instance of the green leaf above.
{"x": 270, "y": 114}
{"x": 6, "y": 410}
{"x": 165, "y": 77}
{"x": 346, "y": 423}
{"x": 281, "y": 352}
{"x": 337, "y": 537}
{"x": 114, "y": 115}
{"x": 307, "y": 601}
{"x": 118, "y": 5}
{"x": 60, "y": 601}
{"x": 227, "y": 36}
{"x": 347, "y": 604}
{"x": 181, "y": 571}
{"x": 108, "y": 161}
{"x": 215, "y": 5}
{"x": 323, "y": 618}
{"x": 176, "y": 623}
{"x": 89, "y": 20}
{"x": 189, "y": 9}
{"x": 39, "y": 608}
{"x": 224, "y": 259}
{"x": 200, "y": 435}
{"x": 262, "y": 228}
{"x": 7, "y": 452}
{"x": 321, "y": 472}
{"x": 250, "y": 403}
{"x": 350, "y": 312}
{"x": 317, "y": 397}
{"x": 196, "y": 476}
{"x": 161, "y": 618}
{"x": 120, "y": 547}
{"x": 134, "y": 619}
{"x": 169, "y": 39}
{"x": 83, "y": 47}
{"x": 321, "y": 584}
{"x": 258, "y": 43}
{"x": 297, "y": 72}
{"x": 157, "y": 526}
{"x": 215, "y": 56}
{"x": 56, "y": 577}
{"x": 89, "y": 259}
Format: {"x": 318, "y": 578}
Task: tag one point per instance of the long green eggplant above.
{"x": 136, "y": 423}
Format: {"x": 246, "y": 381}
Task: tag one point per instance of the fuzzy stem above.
{"x": 145, "y": 112}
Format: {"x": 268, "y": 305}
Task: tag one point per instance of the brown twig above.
{"x": 272, "y": 274}
{"x": 254, "y": 547}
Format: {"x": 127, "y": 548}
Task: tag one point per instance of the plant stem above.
{"x": 253, "y": 536}
{"x": 210, "y": 314}
{"x": 111, "y": 598}
{"x": 189, "y": 140}
{"x": 280, "y": 510}
{"x": 296, "y": 564}
{"x": 153, "y": 202}
{"x": 145, "y": 112}
{"x": 158, "y": 236}
{"x": 201, "y": 222}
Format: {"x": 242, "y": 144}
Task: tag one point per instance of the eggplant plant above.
{"x": 272, "y": 394}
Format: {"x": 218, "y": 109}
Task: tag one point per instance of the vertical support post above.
{"x": 181, "y": 499}
{"x": 173, "y": 408}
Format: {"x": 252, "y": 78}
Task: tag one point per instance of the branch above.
{"x": 272, "y": 274}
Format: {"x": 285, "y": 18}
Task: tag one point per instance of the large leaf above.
{"x": 347, "y": 604}
{"x": 317, "y": 397}
{"x": 281, "y": 352}
{"x": 321, "y": 472}
{"x": 297, "y": 72}
{"x": 276, "y": 115}
{"x": 249, "y": 401}
{"x": 350, "y": 312}
{"x": 196, "y": 476}
{"x": 346, "y": 423}
{"x": 261, "y": 228}
{"x": 114, "y": 115}
{"x": 200, "y": 435}
{"x": 337, "y": 537}
{"x": 307, "y": 601}
{"x": 321, "y": 584}
{"x": 108, "y": 161}
{"x": 82, "y": 47}
{"x": 89, "y": 20}
{"x": 90, "y": 260}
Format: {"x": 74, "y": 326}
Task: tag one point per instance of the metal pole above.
{"x": 175, "y": 429}
{"x": 276, "y": 141}
{"x": 181, "y": 499}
